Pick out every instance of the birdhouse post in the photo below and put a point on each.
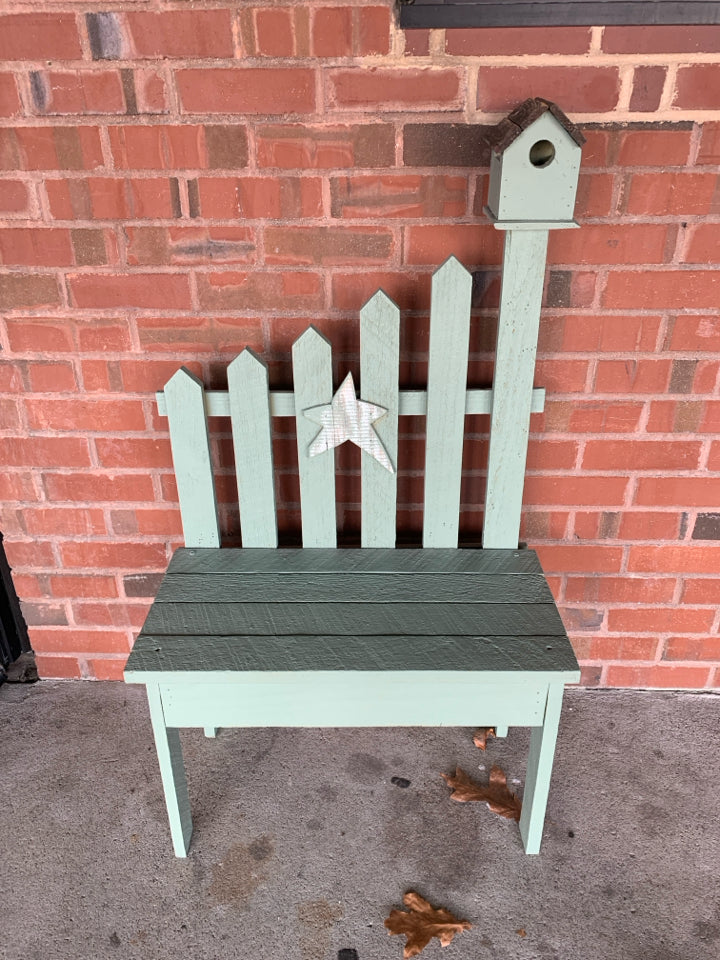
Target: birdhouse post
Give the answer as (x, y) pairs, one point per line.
(534, 170)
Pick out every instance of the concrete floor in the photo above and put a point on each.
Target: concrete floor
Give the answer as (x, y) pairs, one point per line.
(303, 844)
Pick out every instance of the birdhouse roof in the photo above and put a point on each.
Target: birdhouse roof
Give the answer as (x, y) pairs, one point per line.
(509, 129)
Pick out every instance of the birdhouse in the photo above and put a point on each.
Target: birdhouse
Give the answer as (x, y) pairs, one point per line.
(534, 166)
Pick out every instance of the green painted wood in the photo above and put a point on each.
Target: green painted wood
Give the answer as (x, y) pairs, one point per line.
(402, 562)
(191, 456)
(379, 374)
(375, 700)
(501, 730)
(353, 587)
(446, 390)
(411, 655)
(539, 771)
(355, 619)
(210, 732)
(413, 403)
(252, 441)
(312, 376)
(518, 322)
(172, 772)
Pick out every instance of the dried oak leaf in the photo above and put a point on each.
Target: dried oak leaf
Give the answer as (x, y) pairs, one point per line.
(496, 794)
(422, 923)
(480, 737)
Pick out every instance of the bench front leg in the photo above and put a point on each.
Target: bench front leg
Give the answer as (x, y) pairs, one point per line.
(539, 771)
(172, 771)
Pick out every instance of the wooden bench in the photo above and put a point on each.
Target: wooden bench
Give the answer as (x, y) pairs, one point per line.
(371, 636)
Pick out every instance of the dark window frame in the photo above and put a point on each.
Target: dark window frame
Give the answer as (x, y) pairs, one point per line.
(424, 14)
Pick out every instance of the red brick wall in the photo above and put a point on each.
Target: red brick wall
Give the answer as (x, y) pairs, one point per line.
(179, 181)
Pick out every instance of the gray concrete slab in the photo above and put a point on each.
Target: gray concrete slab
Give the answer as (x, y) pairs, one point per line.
(303, 844)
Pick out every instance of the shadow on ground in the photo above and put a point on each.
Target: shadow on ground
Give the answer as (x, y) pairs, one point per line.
(303, 843)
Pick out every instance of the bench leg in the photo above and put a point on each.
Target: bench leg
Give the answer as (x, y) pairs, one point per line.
(501, 731)
(539, 770)
(172, 771)
(211, 732)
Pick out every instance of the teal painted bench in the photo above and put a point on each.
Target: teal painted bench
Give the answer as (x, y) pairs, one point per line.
(325, 636)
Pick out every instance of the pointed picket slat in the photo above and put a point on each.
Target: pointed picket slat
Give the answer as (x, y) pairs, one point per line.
(518, 324)
(447, 384)
(379, 373)
(312, 375)
(252, 439)
(190, 443)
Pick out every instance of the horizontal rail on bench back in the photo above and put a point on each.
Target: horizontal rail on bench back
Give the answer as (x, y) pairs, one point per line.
(413, 403)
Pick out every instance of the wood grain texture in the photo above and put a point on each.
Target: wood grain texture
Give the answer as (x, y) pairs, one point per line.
(379, 373)
(447, 385)
(518, 323)
(191, 456)
(312, 377)
(172, 772)
(539, 771)
(252, 443)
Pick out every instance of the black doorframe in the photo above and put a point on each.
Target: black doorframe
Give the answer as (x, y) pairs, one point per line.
(13, 631)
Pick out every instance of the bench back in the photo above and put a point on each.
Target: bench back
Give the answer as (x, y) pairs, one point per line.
(252, 405)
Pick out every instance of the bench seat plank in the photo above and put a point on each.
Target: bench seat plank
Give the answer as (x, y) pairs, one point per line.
(155, 653)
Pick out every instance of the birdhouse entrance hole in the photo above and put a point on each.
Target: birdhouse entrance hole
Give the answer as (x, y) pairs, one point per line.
(542, 153)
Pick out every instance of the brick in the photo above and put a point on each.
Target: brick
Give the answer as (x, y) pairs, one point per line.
(11, 377)
(579, 491)
(609, 243)
(599, 147)
(543, 525)
(516, 41)
(633, 376)
(470, 243)
(10, 414)
(599, 334)
(649, 526)
(55, 521)
(446, 144)
(417, 43)
(150, 290)
(701, 590)
(163, 246)
(397, 195)
(641, 455)
(35, 553)
(274, 33)
(619, 589)
(151, 93)
(305, 146)
(57, 668)
(157, 147)
(163, 523)
(648, 84)
(197, 334)
(350, 291)
(260, 290)
(695, 334)
(17, 487)
(580, 89)
(40, 336)
(670, 678)
(661, 619)
(271, 198)
(703, 244)
(328, 245)
(14, 197)
(373, 31)
(28, 290)
(692, 648)
(108, 198)
(707, 527)
(95, 376)
(180, 33)
(551, 454)
(594, 195)
(695, 86)
(578, 619)
(406, 88)
(678, 491)
(107, 556)
(677, 38)
(57, 640)
(142, 584)
(103, 336)
(107, 668)
(665, 289)
(562, 376)
(109, 614)
(680, 194)
(247, 90)
(672, 416)
(76, 487)
(9, 99)
(99, 586)
(655, 148)
(85, 415)
(148, 376)
(89, 247)
(623, 648)
(35, 246)
(39, 36)
(577, 558)
(709, 151)
(79, 91)
(226, 146)
(50, 377)
(674, 559)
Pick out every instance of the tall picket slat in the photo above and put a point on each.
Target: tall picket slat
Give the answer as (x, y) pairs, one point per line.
(312, 375)
(379, 373)
(249, 397)
(518, 324)
(184, 395)
(447, 384)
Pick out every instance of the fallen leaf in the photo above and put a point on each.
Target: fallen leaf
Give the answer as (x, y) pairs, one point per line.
(496, 794)
(521, 932)
(480, 737)
(422, 922)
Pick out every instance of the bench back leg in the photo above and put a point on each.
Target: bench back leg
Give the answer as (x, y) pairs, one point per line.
(172, 771)
(539, 770)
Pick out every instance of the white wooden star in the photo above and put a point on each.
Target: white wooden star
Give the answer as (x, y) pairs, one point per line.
(348, 418)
